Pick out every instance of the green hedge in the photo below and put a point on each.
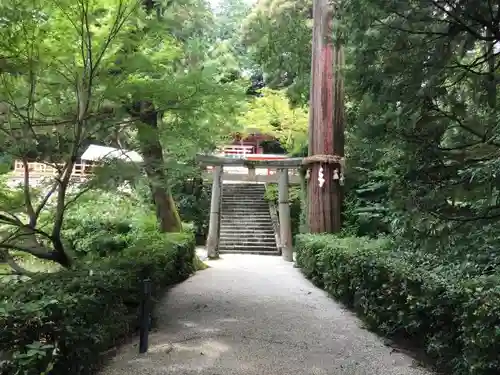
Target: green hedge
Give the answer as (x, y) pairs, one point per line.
(63, 322)
(456, 319)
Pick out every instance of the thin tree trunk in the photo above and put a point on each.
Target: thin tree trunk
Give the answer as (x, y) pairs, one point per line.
(152, 152)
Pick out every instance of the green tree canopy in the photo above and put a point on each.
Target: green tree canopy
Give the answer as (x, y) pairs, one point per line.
(271, 113)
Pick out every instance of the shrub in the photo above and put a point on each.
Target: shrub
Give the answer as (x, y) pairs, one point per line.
(272, 195)
(101, 235)
(193, 200)
(63, 322)
(101, 223)
(456, 319)
(104, 223)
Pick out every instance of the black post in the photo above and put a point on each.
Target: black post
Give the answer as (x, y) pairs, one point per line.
(145, 315)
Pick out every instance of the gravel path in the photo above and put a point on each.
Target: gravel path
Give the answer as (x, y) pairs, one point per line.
(257, 315)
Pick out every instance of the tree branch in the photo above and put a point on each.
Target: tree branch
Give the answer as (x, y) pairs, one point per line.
(17, 269)
(46, 198)
(39, 253)
(27, 195)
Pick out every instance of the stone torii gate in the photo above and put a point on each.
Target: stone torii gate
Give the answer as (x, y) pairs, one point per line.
(282, 166)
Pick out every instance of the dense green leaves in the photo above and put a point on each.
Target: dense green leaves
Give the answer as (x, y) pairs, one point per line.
(435, 99)
(271, 114)
(421, 83)
(278, 36)
(124, 73)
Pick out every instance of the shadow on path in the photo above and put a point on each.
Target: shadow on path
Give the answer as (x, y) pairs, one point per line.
(257, 315)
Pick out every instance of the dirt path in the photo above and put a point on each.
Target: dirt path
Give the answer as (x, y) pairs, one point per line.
(257, 315)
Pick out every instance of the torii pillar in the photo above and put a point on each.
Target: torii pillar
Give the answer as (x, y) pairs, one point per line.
(213, 238)
(285, 222)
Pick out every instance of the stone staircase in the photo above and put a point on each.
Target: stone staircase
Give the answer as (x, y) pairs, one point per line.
(246, 225)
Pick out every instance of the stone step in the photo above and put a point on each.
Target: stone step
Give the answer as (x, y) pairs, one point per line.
(244, 199)
(251, 228)
(245, 219)
(249, 252)
(237, 212)
(265, 245)
(257, 248)
(245, 222)
(254, 216)
(244, 188)
(267, 238)
(250, 238)
(246, 238)
(248, 247)
(244, 209)
(243, 194)
(241, 224)
(246, 206)
(244, 185)
(246, 213)
(256, 228)
(243, 191)
(246, 232)
(231, 238)
(245, 203)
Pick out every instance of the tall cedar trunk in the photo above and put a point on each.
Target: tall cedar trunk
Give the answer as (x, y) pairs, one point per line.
(152, 152)
(326, 122)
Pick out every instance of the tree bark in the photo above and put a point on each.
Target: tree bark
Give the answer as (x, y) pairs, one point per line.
(326, 126)
(152, 152)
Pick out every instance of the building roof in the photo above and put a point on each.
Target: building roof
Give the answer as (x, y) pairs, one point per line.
(252, 136)
(96, 153)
